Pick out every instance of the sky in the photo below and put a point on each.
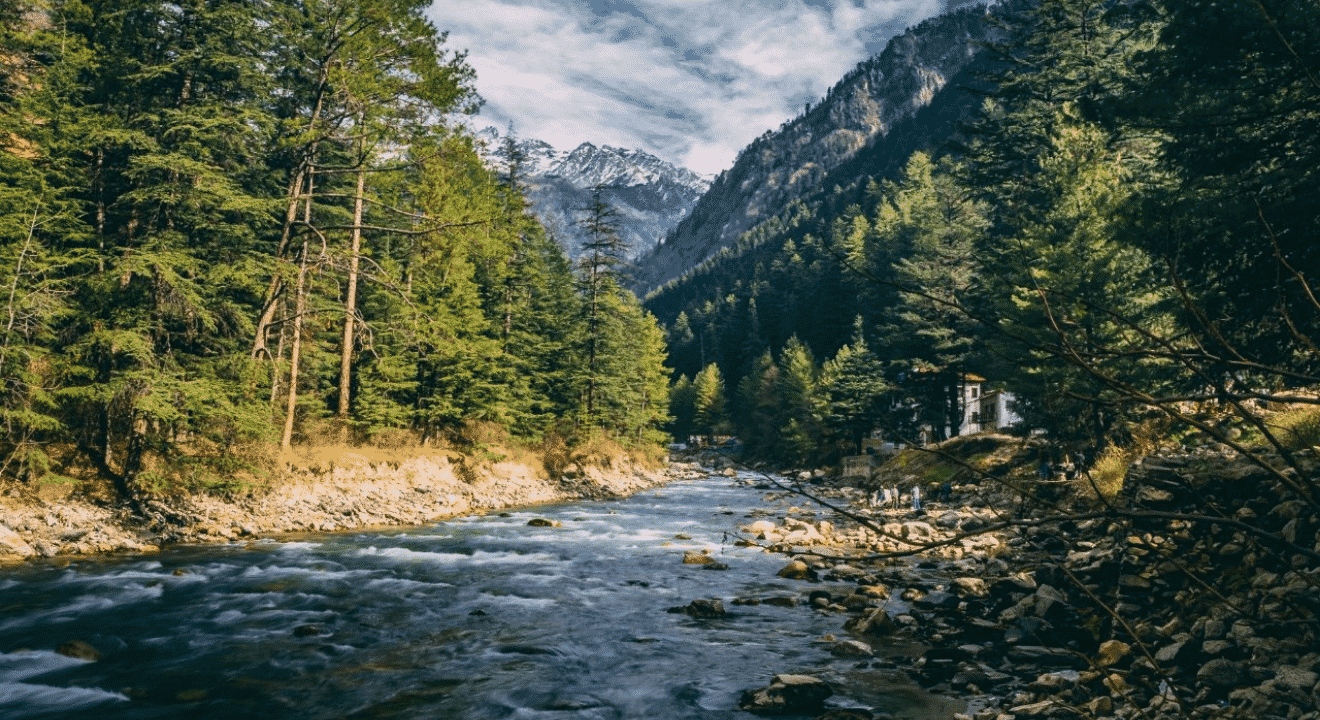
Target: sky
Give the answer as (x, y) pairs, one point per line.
(690, 81)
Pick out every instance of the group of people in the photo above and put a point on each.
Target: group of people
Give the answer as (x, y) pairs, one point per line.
(1068, 464)
(890, 496)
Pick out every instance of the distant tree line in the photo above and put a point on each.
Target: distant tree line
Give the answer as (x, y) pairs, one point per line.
(1126, 231)
(229, 225)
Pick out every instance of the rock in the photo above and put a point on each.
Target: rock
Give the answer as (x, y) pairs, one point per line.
(542, 522)
(308, 631)
(797, 570)
(1055, 681)
(714, 566)
(875, 622)
(935, 601)
(1101, 706)
(1147, 494)
(80, 650)
(1034, 709)
(1171, 653)
(1216, 647)
(702, 608)
(879, 592)
(1291, 676)
(1112, 651)
(1048, 599)
(1220, 673)
(787, 694)
(970, 587)
(852, 649)
(1045, 656)
(692, 557)
(12, 544)
(761, 527)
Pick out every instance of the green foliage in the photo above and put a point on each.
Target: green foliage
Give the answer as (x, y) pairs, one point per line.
(219, 217)
(710, 417)
(855, 392)
(1127, 224)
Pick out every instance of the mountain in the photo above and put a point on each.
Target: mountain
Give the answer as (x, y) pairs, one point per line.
(901, 100)
(649, 195)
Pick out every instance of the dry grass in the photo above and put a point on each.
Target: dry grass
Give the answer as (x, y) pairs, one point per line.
(1297, 429)
(254, 468)
(1108, 474)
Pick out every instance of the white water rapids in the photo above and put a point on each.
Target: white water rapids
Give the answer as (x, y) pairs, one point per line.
(474, 618)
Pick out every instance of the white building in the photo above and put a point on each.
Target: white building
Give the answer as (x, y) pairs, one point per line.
(985, 410)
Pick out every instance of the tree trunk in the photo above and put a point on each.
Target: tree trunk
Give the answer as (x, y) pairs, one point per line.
(350, 308)
(295, 354)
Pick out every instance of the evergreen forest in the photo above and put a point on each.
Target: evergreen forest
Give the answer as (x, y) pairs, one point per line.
(227, 227)
(1123, 234)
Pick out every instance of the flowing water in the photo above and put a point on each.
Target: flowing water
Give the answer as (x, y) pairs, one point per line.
(480, 617)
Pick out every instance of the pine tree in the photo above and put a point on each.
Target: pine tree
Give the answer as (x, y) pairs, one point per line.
(1064, 288)
(761, 415)
(799, 382)
(602, 254)
(855, 391)
(682, 409)
(708, 387)
(930, 224)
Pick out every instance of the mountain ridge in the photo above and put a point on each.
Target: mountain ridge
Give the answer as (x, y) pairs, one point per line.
(839, 141)
(648, 194)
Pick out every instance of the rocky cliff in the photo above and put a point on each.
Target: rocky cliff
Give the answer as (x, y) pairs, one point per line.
(870, 120)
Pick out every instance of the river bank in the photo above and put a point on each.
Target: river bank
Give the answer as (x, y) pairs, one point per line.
(1144, 608)
(325, 492)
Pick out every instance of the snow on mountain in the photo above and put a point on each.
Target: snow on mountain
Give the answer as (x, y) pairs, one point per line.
(649, 195)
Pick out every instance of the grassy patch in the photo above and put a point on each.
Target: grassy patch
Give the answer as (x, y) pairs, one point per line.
(1297, 429)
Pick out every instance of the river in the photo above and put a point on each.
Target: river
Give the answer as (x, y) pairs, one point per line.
(472, 618)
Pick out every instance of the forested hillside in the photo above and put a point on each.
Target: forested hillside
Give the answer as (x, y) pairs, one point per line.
(225, 226)
(1124, 233)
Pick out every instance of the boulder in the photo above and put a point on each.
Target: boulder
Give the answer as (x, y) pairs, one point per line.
(1296, 678)
(875, 622)
(702, 608)
(787, 694)
(797, 570)
(970, 587)
(542, 522)
(1112, 651)
(79, 650)
(1046, 656)
(1220, 673)
(851, 649)
(12, 544)
(693, 557)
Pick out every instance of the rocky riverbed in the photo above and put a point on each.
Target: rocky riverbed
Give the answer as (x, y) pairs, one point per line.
(1145, 608)
(347, 491)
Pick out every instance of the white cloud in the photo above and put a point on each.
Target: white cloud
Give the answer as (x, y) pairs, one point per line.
(692, 81)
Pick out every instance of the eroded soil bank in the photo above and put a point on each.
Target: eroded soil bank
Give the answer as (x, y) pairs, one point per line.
(341, 492)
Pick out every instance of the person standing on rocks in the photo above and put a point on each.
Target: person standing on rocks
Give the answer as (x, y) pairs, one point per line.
(1044, 470)
(916, 498)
